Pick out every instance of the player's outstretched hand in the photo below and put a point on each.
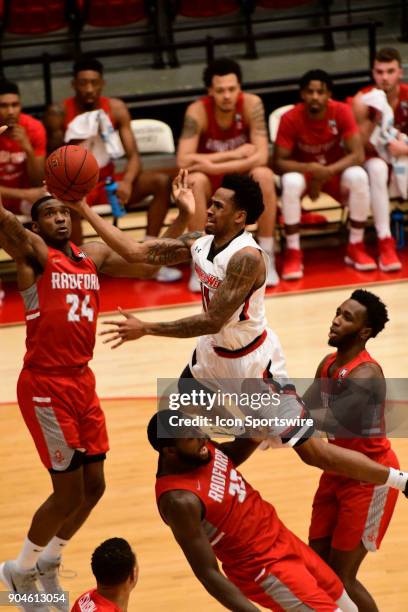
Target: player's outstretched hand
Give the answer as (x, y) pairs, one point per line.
(129, 329)
(182, 193)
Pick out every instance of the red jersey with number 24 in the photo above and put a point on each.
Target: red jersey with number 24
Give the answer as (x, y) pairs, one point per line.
(240, 525)
(61, 312)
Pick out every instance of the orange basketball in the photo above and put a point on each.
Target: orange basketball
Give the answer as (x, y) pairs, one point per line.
(71, 172)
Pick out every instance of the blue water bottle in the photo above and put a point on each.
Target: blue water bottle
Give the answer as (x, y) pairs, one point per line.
(397, 224)
(117, 209)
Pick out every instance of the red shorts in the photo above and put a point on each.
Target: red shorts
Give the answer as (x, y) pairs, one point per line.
(350, 512)
(296, 578)
(99, 195)
(63, 414)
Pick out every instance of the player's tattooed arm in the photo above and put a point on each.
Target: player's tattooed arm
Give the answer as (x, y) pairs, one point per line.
(258, 118)
(244, 272)
(182, 511)
(190, 127)
(18, 242)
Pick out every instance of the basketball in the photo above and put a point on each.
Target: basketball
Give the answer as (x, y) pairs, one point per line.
(71, 172)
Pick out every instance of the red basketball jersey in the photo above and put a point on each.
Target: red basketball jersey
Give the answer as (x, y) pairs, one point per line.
(401, 110)
(61, 312)
(316, 140)
(240, 525)
(92, 601)
(215, 138)
(72, 109)
(366, 445)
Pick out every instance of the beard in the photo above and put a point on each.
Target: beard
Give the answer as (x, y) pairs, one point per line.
(192, 461)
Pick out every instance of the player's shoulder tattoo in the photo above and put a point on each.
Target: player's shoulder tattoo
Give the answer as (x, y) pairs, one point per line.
(257, 115)
(189, 237)
(190, 127)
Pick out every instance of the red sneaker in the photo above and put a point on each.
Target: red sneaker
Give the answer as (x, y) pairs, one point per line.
(388, 259)
(357, 256)
(292, 264)
(306, 218)
(312, 218)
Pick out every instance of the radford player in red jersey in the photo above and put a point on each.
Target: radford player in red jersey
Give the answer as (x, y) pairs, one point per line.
(223, 133)
(56, 389)
(387, 73)
(318, 148)
(116, 571)
(350, 518)
(213, 512)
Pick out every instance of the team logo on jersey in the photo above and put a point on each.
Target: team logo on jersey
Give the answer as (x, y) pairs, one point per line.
(81, 255)
(238, 120)
(58, 456)
(343, 373)
(333, 126)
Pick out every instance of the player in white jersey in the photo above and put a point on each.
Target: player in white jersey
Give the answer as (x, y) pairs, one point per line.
(233, 268)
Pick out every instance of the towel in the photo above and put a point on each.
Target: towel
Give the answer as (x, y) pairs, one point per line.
(95, 130)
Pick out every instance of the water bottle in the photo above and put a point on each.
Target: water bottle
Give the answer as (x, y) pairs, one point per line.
(397, 224)
(117, 209)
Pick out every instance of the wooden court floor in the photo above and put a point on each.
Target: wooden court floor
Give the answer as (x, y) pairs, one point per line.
(128, 507)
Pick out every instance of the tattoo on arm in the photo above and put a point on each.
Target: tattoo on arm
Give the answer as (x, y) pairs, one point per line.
(258, 118)
(190, 127)
(13, 236)
(165, 252)
(190, 237)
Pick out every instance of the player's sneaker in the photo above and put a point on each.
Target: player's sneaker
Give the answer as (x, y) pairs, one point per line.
(272, 278)
(312, 218)
(357, 256)
(48, 575)
(292, 264)
(388, 259)
(23, 584)
(168, 275)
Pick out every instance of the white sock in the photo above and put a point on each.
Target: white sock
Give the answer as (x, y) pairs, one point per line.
(28, 556)
(356, 235)
(266, 243)
(293, 241)
(293, 186)
(377, 171)
(54, 549)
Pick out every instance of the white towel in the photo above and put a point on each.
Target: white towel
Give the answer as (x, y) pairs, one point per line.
(383, 133)
(95, 130)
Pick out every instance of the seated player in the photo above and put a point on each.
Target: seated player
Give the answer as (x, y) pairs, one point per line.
(318, 148)
(350, 518)
(387, 73)
(22, 153)
(213, 512)
(134, 183)
(225, 132)
(116, 571)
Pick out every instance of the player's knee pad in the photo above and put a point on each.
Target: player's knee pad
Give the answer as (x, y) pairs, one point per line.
(355, 177)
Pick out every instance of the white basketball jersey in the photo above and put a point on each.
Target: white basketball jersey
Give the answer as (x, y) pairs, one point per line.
(249, 320)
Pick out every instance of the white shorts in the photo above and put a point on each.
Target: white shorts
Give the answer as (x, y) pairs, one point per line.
(256, 368)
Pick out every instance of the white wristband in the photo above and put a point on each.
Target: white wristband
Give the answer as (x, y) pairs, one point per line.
(397, 479)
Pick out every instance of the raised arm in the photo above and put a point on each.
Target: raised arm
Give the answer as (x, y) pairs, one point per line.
(27, 249)
(244, 270)
(182, 511)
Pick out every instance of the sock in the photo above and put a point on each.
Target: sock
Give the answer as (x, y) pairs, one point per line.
(28, 556)
(54, 549)
(356, 235)
(266, 243)
(293, 241)
(377, 170)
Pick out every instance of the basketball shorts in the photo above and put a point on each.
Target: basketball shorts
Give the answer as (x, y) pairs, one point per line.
(295, 579)
(350, 512)
(63, 414)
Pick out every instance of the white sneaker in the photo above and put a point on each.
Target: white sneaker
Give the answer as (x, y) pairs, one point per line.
(48, 572)
(25, 585)
(168, 275)
(194, 284)
(272, 278)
